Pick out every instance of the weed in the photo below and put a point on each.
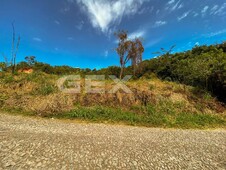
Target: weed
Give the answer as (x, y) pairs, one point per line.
(44, 90)
(151, 87)
(154, 103)
(151, 117)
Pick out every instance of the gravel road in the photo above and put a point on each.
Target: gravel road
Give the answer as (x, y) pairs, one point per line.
(33, 143)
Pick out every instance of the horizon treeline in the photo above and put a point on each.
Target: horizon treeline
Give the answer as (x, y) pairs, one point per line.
(203, 67)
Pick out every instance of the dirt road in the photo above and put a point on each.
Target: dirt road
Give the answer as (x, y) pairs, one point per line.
(32, 143)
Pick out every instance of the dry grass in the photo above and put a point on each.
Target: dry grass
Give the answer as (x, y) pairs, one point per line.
(38, 93)
(41, 105)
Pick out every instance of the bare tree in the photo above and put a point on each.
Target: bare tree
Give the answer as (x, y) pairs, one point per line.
(165, 55)
(15, 48)
(165, 52)
(128, 50)
(122, 49)
(135, 53)
(14, 51)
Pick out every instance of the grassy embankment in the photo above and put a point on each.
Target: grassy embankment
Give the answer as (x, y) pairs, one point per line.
(154, 103)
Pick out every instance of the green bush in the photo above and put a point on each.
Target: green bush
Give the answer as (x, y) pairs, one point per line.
(150, 116)
(8, 79)
(44, 90)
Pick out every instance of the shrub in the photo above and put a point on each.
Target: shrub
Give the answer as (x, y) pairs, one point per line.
(44, 90)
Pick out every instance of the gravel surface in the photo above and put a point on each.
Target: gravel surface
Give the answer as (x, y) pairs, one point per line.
(33, 143)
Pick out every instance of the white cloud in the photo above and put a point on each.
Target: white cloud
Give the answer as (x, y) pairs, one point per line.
(160, 23)
(221, 10)
(195, 14)
(106, 53)
(157, 12)
(197, 44)
(183, 16)
(171, 2)
(173, 5)
(204, 10)
(137, 34)
(146, 10)
(37, 39)
(153, 42)
(70, 38)
(57, 22)
(214, 9)
(104, 13)
(66, 9)
(80, 25)
(181, 6)
(213, 34)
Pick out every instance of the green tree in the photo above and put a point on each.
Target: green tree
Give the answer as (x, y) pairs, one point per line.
(30, 60)
(3, 66)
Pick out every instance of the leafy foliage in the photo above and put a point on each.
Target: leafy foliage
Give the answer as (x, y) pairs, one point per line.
(203, 66)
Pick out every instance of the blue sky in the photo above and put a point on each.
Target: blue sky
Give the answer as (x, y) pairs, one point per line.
(79, 33)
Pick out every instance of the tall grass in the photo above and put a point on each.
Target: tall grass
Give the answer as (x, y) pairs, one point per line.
(150, 117)
(154, 103)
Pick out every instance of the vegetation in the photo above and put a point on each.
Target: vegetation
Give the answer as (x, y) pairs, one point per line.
(172, 90)
(128, 50)
(151, 117)
(154, 102)
(203, 67)
(14, 49)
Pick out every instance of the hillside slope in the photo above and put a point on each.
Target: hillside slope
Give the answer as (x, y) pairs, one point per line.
(203, 67)
(153, 102)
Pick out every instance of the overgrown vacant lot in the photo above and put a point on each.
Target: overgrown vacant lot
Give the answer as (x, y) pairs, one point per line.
(154, 103)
